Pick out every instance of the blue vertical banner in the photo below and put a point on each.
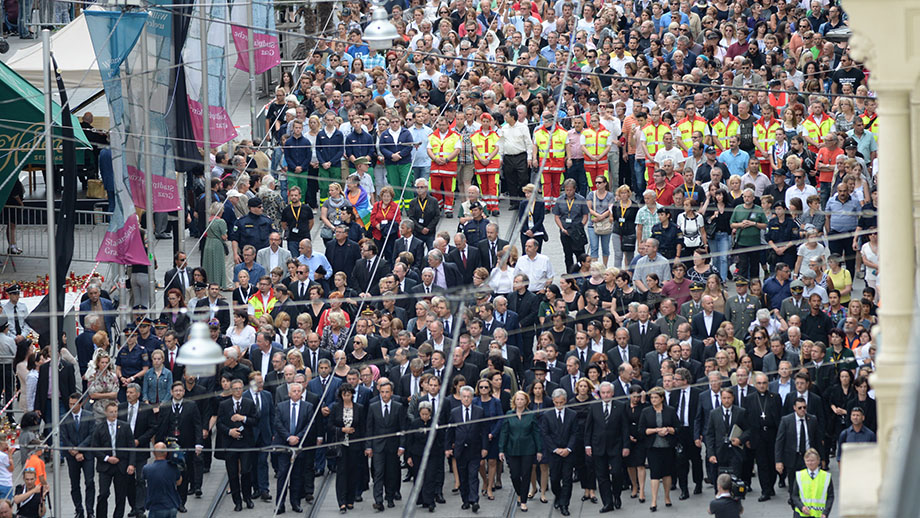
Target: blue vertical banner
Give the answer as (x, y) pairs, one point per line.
(114, 36)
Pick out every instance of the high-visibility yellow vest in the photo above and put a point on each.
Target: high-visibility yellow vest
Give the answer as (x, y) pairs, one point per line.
(871, 122)
(722, 131)
(595, 142)
(765, 133)
(654, 137)
(817, 129)
(550, 146)
(443, 147)
(256, 302)
(813, 491)
(688, 126)
(485, 145)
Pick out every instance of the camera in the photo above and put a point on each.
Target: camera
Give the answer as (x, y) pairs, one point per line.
(739, 488)
(176, 456)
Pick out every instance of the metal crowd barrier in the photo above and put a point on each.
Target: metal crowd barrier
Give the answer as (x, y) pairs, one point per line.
(31, 235)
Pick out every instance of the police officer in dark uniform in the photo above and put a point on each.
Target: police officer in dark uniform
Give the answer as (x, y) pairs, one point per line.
(765, 411)
(132, 362)
(252, 229)
(145, 336)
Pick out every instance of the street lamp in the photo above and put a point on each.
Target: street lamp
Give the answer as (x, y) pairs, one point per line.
(200, 354)
(380, 33)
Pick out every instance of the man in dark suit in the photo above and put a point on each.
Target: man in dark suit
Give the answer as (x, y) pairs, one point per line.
(367, 272)
(724, 450)
(559, 431)
(67, 385)
(324, 386)
(466, 441)
(791, 444)
(261, 353)
(607, 443)
(236, 423)
(622, 349)
(76, 434)
(527, 305)
(509, 321)
(291, 418)
(180, 277)
(704, 325)
(265, 409)
(140, 420)
(214, 306)
(465, 257)
(450, 272)
(384, 419)
(765, 411)
(114, 460)
(573, 374)
(538, 373)
(643, 332)
(312, 354)
(709, 399)
(686, 400)
(409, 243)
(427, 288)
(490, 246)
(84, 341)
(181, 420)
(815, 406)
(687, 361)
(654, 358)
(622, 381)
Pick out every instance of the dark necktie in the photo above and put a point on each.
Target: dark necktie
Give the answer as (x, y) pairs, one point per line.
(680, 408)
(16, 319)
(236, 407)
(463, 257)
(386, 412)
(606, 411)
(303, 289)
(741, 394)
(559, 415)
(177, 409)
(467, 415)
(641, 329)
(408, 240)
(76, 421)
(802, 437)
(728, 421)
(492, 255)
(313, 361)
(447, 327)
(369, 265)
(584, 358)
(294, 419)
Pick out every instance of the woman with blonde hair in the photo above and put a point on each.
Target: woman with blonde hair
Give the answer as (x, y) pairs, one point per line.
(334, 334)
(103, 383)
(520, 441)
(715, 290)
(282, 325)
(502, 279)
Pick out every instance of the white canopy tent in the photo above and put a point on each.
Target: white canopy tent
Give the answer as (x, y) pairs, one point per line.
(73, 50)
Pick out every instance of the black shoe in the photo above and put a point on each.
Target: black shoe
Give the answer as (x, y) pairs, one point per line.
(440, 499)
(782, 483)
(317, 474)
(266, 497)
(408, 478)
(465, 506)
(667, 504)
(564, 511)
(763, 498)
(698, 490)
(397, 496)
(606, 509)
(198, 493)
(684, 495)
(249, 504)
(343, 510)
(617, 503)
(206, 470)
(181, 509)
(132, 513)
(238, 507)
(164, 235)
(653, 508)
(593, 499)
(281, 509)
(475, 507)
(378, 506)
(390, 504)
(296, 508)
(140, 514)
(431, 508)
(358, 499)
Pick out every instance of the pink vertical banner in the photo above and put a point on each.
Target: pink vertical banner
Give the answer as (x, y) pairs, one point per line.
(221, 126)
(165, 191)
(123, 245)
(266, 50)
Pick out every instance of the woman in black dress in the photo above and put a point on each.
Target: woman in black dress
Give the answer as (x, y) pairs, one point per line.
(415, 449)
(244, 290)
(346, 425)
(635, 462)
(539, 477)
(315, 305)
(862, 400)
(839, 397)
(658, 423)
(580, 404)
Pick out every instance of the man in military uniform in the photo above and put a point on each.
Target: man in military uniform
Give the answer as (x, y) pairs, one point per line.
(16, 312)
(252, 229)
(693, 306)
(741, 309)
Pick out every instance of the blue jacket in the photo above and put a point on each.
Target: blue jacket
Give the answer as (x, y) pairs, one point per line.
(152, 385)
(403, 146)
(263, 426)
(360, 145)
(330, 148)
(107, 307)
(297, 153)
(315, 386)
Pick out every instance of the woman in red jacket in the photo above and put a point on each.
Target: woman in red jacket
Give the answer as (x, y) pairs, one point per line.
(385, 218)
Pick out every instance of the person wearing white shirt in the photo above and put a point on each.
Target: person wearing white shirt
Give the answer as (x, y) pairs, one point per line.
(800, 189)
(536, 266)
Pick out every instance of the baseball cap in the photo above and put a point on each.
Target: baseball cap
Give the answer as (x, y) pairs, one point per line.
(232, 193)
(340, 71)
(710, 149)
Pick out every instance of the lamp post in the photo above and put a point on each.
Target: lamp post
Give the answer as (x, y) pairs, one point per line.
(200, 354)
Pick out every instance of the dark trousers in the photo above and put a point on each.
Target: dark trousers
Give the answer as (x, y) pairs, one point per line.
(431, 479)
(309, 458)
(239, 469)
(747, 465)
(560, 477)
(347, 480)
(191, 477)
(789, 471)
(260, 471)
(577, 171)
(584, 467)
(137, 486)
(729, 457)
(294, 480)
(515, 174)
(766, 463)
(608, 469)
(520, 465)
(689, 457)
(749, 264)
(841, 243)
(570, 251)
(468, 466)
(74, 469)
(106, 480)
(386, 475)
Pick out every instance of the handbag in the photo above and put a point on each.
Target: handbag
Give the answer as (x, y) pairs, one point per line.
(603, 227)
(95, 189)
(334, 451)
(326, 233)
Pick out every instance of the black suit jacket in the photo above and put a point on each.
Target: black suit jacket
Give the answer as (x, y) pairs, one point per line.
(145, 425)
(362, 279)
(123, 441)
(71, 437)
(385, 428)
(692, 405)
(281, 425)
(816, 407)
(473, 261)
(698, 325)
(186, 425)
(452, 275)
(566, 383)
(171, 280)
(613, 355)
(786, 446)
(67, 383)
(607, 436)
(224, 424)
(485, 251)
(336, 423)
(647, 419)
(416, 248)
(472, 436)
(556, 435)
(704, 408)
(203, 309)
(717, 429)
(645, 342)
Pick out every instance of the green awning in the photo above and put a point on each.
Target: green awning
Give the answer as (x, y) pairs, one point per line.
(23, 119)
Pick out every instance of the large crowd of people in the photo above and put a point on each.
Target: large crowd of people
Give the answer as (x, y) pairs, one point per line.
(707, 171)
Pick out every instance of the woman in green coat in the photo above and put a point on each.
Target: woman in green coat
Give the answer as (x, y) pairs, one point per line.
(212, 257)
(520, 443)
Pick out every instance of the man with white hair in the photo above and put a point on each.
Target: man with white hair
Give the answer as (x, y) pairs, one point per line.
(766, 320)
(232, 367)
(467, 438)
